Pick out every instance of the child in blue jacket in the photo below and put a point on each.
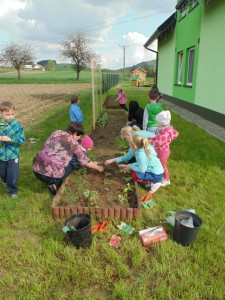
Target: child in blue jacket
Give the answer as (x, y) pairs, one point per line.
(11, 138)
(147, 168)
(76, 114)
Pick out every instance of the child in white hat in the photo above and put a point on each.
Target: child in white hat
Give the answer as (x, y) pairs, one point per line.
(165, 134)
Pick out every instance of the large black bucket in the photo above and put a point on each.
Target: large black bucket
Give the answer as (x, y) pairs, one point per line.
(183, 234)
(82, 236)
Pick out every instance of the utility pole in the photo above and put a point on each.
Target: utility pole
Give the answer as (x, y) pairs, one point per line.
(124, 56)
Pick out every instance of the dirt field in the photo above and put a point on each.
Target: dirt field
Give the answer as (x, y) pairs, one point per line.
(32, 101)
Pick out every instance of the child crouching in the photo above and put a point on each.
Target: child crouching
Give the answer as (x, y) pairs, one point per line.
(147, 168)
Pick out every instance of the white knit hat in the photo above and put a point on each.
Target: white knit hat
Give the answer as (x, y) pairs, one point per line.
(164, 117)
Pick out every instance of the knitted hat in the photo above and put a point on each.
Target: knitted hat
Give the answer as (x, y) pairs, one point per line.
(164, 117)
(87, 142)
(119, 88)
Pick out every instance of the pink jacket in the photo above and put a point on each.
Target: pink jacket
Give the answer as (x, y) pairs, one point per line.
(163, 139)
(122, 98)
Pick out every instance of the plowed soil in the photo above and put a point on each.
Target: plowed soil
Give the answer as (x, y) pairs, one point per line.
(32, 101)
(112, 184)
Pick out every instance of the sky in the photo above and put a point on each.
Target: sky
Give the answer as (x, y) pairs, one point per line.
(117, 29)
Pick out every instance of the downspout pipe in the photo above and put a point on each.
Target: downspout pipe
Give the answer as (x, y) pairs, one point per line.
(156, 67)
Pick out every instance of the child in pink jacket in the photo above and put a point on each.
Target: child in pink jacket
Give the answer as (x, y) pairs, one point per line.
(165, 134)
(122, 98)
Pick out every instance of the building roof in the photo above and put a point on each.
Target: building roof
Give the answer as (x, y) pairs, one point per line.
(162, 30)
(139, 69)
(182, 5)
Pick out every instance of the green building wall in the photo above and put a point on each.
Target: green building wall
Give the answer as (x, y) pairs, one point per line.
(210, 89)
(187, 36)
(166, 63)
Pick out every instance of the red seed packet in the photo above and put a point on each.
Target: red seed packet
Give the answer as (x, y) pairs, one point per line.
(152, 235)
(115, 241)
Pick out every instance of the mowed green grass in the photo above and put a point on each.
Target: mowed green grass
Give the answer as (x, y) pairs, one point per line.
(37, 262)
(60, 75)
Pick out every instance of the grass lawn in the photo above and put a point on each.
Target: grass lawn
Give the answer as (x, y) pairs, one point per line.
(36, 262)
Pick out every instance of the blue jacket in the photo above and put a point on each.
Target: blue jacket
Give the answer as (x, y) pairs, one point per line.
(10, 150)
(146, 164)
(130, 154)
(76, 114)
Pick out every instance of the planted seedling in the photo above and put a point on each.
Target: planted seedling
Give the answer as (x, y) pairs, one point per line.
(91, 195)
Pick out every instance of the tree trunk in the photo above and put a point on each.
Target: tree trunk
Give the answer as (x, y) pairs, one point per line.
(78, 75)
(18, 71)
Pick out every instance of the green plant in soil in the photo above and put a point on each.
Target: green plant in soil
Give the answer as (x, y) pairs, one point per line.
(122, 199)
(92, 197)
(122, 143)
(102, 120)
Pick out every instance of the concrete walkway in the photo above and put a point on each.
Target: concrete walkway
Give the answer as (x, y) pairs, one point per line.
(213, 129)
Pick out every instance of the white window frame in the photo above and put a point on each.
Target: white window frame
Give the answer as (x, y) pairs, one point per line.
(194, 3)
(180, 64)
(190, 69)
(183, 14)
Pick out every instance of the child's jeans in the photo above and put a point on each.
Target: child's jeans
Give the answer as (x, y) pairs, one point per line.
(163, 156)
(123, 107)
(146, 177)
(9, 173)
(73, 164)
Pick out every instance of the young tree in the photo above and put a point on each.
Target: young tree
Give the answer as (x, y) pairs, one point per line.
(76, 47)
(16, 55)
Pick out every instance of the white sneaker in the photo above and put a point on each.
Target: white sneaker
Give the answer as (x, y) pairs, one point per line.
(165, 182)
(154, 187)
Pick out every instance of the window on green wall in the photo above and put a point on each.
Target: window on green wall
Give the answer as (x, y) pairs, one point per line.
(191, 55)
(180, 64)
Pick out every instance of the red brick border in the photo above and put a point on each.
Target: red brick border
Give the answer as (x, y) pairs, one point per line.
(60, 212)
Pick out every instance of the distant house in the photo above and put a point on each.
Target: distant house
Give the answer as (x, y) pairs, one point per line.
(190, 57)
(139, 73)
(37, 67)
(27, 67)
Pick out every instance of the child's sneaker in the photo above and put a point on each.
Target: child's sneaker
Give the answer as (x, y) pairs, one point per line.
(14, 196)
(165, 182)
(52, 188)
(154, 187)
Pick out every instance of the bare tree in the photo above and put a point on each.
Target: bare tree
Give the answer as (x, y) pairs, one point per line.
(16, 55)
(76, 47)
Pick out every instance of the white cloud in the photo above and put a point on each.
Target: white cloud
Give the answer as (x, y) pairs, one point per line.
(44, 24)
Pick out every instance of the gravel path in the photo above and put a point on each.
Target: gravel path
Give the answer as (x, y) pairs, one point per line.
(213, 129)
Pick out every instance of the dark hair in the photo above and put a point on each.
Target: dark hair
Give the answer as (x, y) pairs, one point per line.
(154, 93)
(74, 99)
(6, 106)
(75, 128)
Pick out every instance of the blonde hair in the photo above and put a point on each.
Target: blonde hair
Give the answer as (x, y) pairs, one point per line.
(140, 142)
(128, 130)
(136, 128)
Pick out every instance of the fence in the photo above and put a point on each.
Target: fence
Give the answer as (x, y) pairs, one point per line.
(101, 82)
(108, 81)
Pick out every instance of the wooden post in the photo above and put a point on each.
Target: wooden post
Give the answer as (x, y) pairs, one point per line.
(93, 94)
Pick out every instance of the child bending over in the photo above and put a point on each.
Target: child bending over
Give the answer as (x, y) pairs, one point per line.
(147, 168)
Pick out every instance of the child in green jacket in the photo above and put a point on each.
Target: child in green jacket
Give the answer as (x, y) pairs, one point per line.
(151, 111)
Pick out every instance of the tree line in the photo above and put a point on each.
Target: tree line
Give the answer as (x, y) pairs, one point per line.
(76, 47)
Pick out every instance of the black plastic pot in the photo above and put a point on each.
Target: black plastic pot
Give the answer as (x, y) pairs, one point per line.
(82, 236)
(183, 234)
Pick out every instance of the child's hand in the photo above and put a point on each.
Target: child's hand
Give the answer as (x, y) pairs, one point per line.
(125, 167)
(5, 138)
(109, 161)
(100, 169)
(149, 140)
